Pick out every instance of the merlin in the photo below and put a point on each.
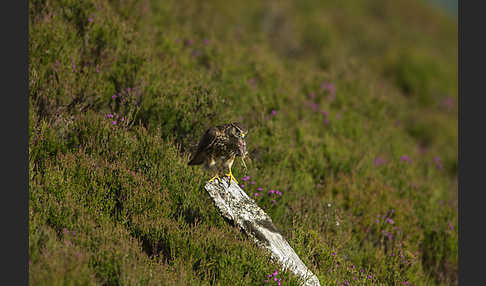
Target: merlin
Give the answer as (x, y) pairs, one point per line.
(219, 147)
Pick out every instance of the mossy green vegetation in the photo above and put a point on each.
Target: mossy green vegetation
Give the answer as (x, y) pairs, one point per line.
(352, 111)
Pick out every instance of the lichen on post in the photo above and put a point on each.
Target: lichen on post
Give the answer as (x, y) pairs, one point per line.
(235, 205)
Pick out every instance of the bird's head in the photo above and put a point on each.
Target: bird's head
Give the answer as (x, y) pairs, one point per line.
(239, 132)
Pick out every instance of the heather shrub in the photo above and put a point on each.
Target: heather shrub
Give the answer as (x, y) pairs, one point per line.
(352, 112)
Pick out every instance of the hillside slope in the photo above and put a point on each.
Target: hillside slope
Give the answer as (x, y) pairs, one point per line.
(352, 112)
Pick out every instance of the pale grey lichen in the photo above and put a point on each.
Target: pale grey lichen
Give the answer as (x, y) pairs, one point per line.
(235, 205)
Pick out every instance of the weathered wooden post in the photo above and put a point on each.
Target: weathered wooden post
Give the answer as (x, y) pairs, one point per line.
(234, 204)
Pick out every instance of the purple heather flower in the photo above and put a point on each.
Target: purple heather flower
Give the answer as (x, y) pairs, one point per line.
(251, 81)
(377, 221)
(314, 106)
(438, 162)
(246, 178)
(90, 19)
(274, 112)
(389, 220)
(405, 158)
(331, 88)
(74, 233)
(451, 226)
(275, 273)
(346, 282)
(326, 121)
(242, 185)
(73, 65)
(113, 122)
(64, 230)
(333, 253)
(266, 280)
(269, 275)
(123, 118)
(448, 103)
(274, 201)
(275, 279)
(379, 161)
(97, 68)
(255, 194)
(325, 85)
(109, 115)
(253, 182)
(405, 282)
(392, 211)
(69, 243)
(369, 276)
(260, 189)
(271, 191)
(278, 192)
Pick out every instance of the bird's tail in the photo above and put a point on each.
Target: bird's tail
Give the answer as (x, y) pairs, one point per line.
(198, 159)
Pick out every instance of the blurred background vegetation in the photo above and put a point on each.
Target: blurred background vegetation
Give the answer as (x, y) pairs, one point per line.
(451, 6)
(352, 111)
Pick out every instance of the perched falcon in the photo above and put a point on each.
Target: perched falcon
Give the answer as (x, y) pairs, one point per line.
(219, 147)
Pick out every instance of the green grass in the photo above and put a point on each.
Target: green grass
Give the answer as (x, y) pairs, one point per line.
(171, 69)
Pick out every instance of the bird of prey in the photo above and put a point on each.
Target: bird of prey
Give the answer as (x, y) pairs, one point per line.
(219, 147)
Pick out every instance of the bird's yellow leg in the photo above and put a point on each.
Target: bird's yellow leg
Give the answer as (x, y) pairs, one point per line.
(214, 178)
(230, 175)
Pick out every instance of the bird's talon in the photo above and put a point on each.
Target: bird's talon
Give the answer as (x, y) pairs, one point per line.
(232, 178)
(214, 178)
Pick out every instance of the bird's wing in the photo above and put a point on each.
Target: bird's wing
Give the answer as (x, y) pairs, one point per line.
(206, 142)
